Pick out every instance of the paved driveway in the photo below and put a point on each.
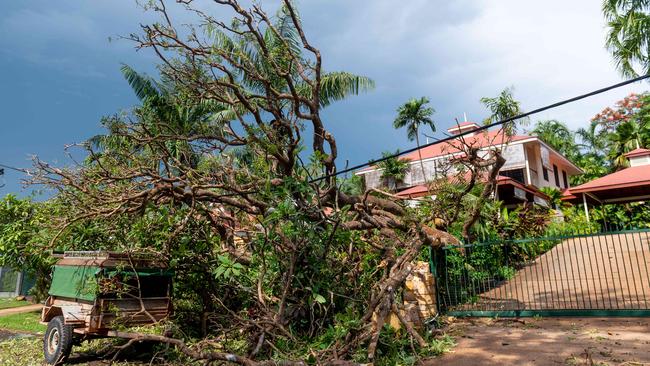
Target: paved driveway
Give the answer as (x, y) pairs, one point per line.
(596, 272)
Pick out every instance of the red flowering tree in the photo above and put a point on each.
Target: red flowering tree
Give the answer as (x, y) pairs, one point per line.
(624, 110)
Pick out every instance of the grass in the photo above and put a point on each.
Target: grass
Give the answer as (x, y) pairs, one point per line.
(21, 352)
(12, 303)
(29, 352)
(23, 322)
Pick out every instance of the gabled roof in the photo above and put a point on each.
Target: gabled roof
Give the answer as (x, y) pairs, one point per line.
(628, 177)
(479, 140)
(637, 152)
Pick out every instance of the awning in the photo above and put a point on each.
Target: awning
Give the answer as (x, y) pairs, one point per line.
(414, 192)
(627, 185)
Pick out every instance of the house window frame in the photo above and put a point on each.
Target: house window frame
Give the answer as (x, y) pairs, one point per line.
(557, 175)
(517, 174)
(565, 179)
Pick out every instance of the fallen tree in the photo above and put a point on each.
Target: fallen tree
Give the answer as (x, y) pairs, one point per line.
(287, 269)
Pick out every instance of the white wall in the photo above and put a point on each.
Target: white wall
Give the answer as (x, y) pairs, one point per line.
(515, 159)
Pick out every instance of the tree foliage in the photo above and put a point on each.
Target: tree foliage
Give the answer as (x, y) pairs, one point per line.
(502, 107)
(276, 259)
(558, 136)
(413, 115)
(628, 35)
(393, 168)
(22, 229)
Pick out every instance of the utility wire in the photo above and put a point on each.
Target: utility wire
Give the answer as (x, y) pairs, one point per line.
(449, 138)
(481, 128)
(12, 168)
(485, 127)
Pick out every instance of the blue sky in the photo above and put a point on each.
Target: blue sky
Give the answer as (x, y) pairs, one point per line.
(59, 72)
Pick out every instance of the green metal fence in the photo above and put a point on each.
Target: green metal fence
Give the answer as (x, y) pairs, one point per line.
(598, 274)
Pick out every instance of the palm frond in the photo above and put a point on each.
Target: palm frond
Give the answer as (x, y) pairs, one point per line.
(144, 87)
(287, 29)
(339, 85)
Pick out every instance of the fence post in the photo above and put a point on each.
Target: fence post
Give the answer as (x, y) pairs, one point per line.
(436, 263)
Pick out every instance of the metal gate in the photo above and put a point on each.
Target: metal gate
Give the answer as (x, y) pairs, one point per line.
(583, 274)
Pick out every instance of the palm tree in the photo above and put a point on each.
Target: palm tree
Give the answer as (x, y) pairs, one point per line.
(593, 140)
(558, 135)
(628, 35)
(177, 114)
(164, 112)
(334, 86)
(393, 169)
(629, 135)
(413, 115)
(502, 107)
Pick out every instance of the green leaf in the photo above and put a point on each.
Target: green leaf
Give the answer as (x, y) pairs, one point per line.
(319, 298)
(219, 271)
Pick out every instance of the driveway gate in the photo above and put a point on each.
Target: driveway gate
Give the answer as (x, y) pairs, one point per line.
(583, 274)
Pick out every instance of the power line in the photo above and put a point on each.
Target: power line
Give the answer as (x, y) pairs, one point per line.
(11, 168)
(485, 127)
(448, 138)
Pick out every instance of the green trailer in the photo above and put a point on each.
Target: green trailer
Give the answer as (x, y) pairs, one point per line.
(94, 293)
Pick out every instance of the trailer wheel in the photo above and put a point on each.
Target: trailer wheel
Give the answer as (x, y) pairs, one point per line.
(57, 342)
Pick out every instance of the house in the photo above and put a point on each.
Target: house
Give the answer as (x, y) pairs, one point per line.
(530, 165)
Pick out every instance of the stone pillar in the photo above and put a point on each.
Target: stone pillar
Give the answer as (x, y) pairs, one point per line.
(419, 297)
(419, 292)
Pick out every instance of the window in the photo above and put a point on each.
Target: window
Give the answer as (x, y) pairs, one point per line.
(544, 171)
(566, 181)
(516, 174)
(557, 175)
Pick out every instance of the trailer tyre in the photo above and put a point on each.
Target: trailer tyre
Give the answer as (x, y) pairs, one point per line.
(57, 342)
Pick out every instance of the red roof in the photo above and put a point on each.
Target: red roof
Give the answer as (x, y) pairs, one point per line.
(415, 191)
(480, 140)
(567, 195)
(637, 152)
(628, 177)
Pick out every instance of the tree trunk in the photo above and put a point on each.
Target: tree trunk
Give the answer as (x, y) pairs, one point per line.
(417, 142)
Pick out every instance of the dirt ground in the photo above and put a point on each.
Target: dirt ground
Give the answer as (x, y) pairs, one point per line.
(21, 309)
(549, 341)
(5, 334)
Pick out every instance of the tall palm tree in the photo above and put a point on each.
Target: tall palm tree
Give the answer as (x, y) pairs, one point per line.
(334, 86)
(413, 115)
(502, 107)
(628, 34)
